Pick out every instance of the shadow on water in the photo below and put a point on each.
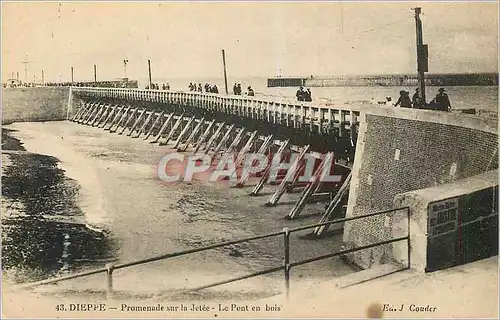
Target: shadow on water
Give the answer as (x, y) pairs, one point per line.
(44, 232)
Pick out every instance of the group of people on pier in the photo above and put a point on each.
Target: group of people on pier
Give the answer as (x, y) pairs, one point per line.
(237, 90)
(440, 103)
(206, 88)
(303, 94)
(155, 86)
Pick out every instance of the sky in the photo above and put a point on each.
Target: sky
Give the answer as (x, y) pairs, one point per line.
(185, 39)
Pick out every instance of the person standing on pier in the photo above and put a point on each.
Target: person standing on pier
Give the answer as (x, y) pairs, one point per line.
(300, 94)
(200, 89)
(404, 99)
(239, 89)
(250, 92)
(416, 100)
(308, 95)
(235, 89)
(441, 102)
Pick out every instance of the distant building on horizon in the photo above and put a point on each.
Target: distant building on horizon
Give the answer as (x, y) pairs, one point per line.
(458, 79)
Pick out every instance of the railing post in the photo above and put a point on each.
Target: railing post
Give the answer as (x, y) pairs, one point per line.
(109, 281)
(286, 262)
(408, 241)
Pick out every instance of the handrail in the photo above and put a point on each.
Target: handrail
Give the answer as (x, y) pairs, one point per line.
(227, 102)
(185, 252)
(287, 265)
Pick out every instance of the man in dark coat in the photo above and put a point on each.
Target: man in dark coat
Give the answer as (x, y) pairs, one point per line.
(404, 99)
(250, 93)
(441, 102)
(416, 100)
(300, 94)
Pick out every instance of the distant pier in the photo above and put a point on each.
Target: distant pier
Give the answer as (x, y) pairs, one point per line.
(463, 79)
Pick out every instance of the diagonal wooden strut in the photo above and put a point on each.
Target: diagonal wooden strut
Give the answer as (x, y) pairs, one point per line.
(334, 204)
(312, 186)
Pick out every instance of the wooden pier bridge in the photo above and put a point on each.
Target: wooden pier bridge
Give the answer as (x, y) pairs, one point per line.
(211, 123)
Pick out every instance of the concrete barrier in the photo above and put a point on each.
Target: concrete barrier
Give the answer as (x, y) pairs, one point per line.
(429, 245)
(34, 104)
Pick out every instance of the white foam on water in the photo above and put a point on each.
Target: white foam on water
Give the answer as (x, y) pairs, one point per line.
(76, 165)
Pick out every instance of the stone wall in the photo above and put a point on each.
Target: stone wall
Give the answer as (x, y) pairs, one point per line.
(401, 150)
(34, 104)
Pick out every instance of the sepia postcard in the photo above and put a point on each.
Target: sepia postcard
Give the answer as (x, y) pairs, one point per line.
(284, 159)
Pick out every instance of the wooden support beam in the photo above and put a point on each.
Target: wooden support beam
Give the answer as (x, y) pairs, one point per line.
(129, 118)
(94, 113)
(109, 116)
(290, 174)
(245, 148)
(136, 123)
(98, 120)
(342, 123)
(78, 110)
(214, 137)
(172, 131)
(312, 115)
(224, 139)
(88, 113)
(236, 141)
(204, 136)
(334, 204)
(268, 168)
(122, 111)
(163, 128)
(145, 123)
(81, 110)
(192, 135)
(244, 177)
(157, 120)
(312, 186)
(85, 112)
(183, 132)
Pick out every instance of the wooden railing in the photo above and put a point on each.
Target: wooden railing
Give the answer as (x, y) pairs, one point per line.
(269, 109)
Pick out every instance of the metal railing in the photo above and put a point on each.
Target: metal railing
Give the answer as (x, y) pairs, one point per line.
(286, 266)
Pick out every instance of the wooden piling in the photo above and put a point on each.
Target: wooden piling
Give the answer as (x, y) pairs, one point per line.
(129, 118)
(312, 186)
(183, 132)
(224, 139)
(137, 121)
(334, 204)
(157, 120)
(291, 173)
(192, 135)
(145, 123)
(109, 116)
(163, 128)
(118, 118)
(204, 136)
(172, 130)
(214, 137)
